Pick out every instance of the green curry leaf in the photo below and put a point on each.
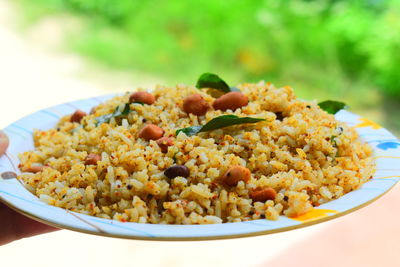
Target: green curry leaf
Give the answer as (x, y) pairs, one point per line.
(189, 131)
(118, 113)
(331, 106)
(218, 123)
(210, 80)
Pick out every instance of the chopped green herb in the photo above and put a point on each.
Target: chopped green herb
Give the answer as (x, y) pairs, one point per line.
(331, 106)
(218, 123)
(333, 141)
(213, 81)
(174, 157)
(118, 113)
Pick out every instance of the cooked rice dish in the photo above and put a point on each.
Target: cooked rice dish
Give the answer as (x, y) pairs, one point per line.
(112, 164)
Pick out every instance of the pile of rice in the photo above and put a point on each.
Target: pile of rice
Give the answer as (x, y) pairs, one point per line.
(308, 157)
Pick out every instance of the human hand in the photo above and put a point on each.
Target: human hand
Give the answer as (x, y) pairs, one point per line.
(14, 226)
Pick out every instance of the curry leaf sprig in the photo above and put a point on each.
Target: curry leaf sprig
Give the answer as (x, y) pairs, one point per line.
(118, 113)
(218, 123)
(331, 106)
(213, 81)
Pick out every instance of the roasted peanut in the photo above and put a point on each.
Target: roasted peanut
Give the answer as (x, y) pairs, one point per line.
(143, 97)
(262, 195)
(92, 159)
(235, 174)
(164, 143)
(4, 143)
(177, 170)
(34, 169)
(77, 116)
(195, 104)
(232, 100)
(151, 132)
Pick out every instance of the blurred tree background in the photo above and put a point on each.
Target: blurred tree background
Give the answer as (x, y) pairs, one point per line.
(347, 50)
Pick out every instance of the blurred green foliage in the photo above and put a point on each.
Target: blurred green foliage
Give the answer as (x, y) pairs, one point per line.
(336, 45)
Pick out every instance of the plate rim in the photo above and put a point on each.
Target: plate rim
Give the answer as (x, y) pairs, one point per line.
(199, 238)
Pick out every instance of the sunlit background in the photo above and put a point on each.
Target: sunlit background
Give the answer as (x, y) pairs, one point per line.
(52, 51)
(337, 49)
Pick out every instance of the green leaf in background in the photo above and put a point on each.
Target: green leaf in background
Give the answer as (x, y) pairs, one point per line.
(118, 113)
(218, 123)
(356, 41)
(210, 80)
(331, 106)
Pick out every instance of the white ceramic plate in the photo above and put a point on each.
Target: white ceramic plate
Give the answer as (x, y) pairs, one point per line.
(386, 151)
